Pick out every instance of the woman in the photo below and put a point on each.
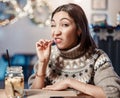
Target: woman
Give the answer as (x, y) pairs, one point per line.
(74, 62)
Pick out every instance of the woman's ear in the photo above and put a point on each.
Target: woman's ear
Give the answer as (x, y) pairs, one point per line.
(79, 32)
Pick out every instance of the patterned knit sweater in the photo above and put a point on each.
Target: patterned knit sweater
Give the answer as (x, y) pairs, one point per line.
(96, 70)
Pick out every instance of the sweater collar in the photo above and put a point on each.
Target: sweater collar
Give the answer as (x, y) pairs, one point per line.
(71, 53)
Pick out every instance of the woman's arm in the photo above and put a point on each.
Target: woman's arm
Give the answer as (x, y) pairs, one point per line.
(106, 77)
(87, 89)
(94, 91)
(43, 49)
(38, 82)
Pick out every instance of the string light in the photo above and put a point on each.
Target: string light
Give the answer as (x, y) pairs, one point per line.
(38, 11)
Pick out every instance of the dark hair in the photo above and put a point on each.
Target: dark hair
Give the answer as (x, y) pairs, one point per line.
(79, 17)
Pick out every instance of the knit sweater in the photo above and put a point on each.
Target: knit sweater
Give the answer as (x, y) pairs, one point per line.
(96, 70)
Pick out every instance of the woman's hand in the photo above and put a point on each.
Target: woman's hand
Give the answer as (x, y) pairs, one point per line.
(58, 86)
(43, 48)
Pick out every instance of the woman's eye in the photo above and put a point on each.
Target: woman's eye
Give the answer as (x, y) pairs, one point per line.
(65, 25)
(52, 25)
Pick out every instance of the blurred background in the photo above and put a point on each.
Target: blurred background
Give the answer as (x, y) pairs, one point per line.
(23, 22)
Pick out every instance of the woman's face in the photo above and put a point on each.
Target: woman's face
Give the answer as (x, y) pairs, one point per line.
(64, 30)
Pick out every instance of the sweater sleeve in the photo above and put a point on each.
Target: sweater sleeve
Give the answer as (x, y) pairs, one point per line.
(106, 77)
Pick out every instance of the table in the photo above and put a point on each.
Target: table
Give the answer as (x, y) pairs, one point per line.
(37, 93)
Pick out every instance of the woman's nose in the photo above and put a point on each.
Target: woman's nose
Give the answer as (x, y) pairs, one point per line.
(57, 31)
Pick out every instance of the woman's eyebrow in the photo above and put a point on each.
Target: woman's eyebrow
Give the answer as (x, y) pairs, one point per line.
(70, 20)
(66, 19)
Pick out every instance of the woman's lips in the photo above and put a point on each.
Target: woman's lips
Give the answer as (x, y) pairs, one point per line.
(58, 40)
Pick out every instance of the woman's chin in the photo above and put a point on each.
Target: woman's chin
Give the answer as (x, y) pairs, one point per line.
(60, 47)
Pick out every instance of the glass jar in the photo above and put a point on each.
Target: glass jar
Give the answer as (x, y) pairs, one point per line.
(14, 82)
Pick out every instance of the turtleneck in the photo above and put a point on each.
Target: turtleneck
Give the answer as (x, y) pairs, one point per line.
(71, 53)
